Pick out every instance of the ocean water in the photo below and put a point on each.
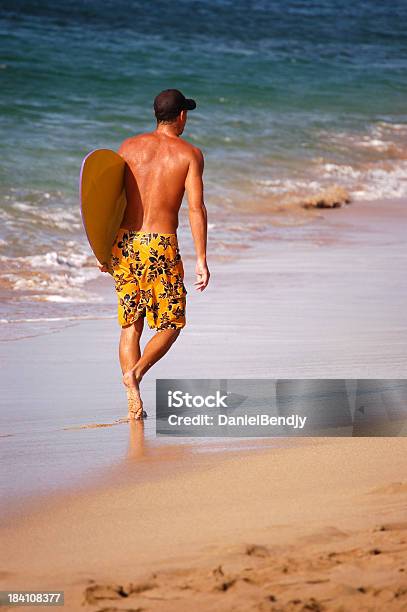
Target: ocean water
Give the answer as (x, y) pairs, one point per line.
(293, 97)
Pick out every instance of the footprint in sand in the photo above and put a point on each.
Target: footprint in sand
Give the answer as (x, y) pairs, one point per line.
(257, 550)
(97, 593)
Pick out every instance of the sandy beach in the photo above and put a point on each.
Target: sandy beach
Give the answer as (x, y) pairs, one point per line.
(319, 526)
(121, 520)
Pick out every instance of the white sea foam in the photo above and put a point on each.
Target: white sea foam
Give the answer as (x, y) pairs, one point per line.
(22, 206)
(374, 143)
(284, 185)
(45, 209)
(74, 298)
(363, 180)
(392, 127)
(54, 276)
(54, 259)
(379, 141)
(338, 170)
(372, 182)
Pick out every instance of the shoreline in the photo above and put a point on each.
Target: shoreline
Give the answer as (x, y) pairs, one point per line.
(373, 221)
(155, 459)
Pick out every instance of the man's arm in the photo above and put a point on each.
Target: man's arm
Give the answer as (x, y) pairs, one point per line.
(198, 216)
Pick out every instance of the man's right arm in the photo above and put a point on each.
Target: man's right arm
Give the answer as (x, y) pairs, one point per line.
(198, 216)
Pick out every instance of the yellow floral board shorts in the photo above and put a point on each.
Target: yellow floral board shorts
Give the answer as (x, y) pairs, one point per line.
(149, 279)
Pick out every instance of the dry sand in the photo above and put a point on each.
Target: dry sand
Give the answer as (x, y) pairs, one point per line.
(320, 526)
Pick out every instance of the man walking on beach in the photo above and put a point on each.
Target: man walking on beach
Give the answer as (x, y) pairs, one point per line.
(147, 267)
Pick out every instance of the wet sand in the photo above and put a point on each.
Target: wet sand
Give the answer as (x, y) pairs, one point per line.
(266, 529)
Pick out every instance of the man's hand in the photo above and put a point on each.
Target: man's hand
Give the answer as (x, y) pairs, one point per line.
(202, 275)
(102, 267)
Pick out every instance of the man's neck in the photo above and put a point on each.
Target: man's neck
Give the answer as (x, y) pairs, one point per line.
(169, 129)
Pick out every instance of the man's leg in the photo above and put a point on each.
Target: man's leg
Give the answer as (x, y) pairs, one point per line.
(129, 355)
(156, 348)
(129, 347)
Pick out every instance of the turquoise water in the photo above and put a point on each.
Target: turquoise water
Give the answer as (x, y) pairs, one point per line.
(293, 97)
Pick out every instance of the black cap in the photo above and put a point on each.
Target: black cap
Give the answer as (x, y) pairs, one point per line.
(170, 102)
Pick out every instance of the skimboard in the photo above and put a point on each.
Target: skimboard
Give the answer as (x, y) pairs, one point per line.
(103, 200)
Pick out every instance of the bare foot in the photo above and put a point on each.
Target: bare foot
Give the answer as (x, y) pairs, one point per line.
(134, 401)
(135, 404)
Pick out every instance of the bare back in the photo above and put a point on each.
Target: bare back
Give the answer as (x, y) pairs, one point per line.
(157, 168)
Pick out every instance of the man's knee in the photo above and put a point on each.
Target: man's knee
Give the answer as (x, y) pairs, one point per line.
(170, 334)
(133, 329)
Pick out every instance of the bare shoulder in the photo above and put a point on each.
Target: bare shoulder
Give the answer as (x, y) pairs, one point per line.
(192, 149)
(125, 147)
(129, 145)
(194, 153)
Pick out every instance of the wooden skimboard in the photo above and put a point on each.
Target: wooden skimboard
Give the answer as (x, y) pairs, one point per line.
(103, 200)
